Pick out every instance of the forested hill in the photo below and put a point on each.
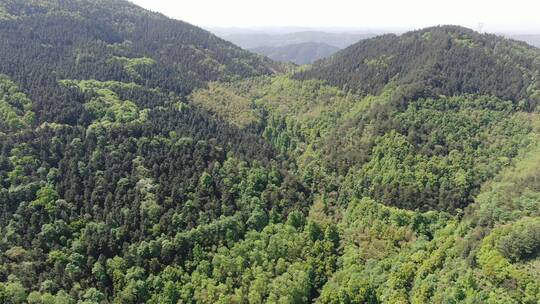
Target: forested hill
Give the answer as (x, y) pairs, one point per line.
(99, 142)
(144, 160)
(448, 60)
(46, 40)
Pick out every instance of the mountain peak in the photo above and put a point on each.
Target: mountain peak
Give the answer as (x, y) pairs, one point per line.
(87, 33)
(443, 60)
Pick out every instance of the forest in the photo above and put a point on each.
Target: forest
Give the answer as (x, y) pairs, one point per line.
(145, 160)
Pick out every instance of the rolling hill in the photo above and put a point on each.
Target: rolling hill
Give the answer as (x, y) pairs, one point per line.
(115, 40)
(444, 60)
(434, 196)
(145, 160)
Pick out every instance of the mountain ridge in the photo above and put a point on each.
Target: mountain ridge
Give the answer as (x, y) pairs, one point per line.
(143, 160)
(111, 31)
(443, 60)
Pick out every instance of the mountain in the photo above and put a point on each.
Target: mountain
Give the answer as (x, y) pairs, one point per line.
(302, 53)
(445, 60)
(434, 196)
(127, 43)
(101, 147)
(144, 160)
(254, 40)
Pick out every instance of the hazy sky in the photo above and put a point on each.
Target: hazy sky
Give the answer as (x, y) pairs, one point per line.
(496, 15)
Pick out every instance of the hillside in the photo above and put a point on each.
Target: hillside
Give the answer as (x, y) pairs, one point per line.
(426, 200)
(144, 160)
(99, 147)
(446, 60)
(302, 53)
(434, 197)
(108, 40)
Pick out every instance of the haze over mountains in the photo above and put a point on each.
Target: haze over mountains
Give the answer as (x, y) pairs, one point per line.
(253, 40)
(532, 39)
(304, 45)
(146, 160)
(300, 53)
(300, 47)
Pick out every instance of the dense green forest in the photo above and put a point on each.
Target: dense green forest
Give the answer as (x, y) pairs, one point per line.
(144, 160)
(447, 60)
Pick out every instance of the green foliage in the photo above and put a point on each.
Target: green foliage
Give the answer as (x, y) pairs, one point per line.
(127, 186)
(512, 194)
(522, 241)
(437, 151)
(448, 147)
(133, 65)
(12, 293)
(447, 60)
(15, 108)
(115, 40)
(229, 106)
(106, 107)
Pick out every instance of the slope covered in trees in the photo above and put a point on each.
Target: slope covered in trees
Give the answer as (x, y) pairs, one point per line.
(46, 41)
(463, 164)
(127, 177)
(433, 154)
(101, 153)
(447, 60)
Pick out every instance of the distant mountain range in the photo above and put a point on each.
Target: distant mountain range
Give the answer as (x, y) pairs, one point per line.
(253, 40)
(301, 53)
(301, 47)
(341, 38)
(304, 46)
(532, 39)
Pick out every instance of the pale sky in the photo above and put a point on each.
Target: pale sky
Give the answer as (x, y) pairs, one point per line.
(495, 15)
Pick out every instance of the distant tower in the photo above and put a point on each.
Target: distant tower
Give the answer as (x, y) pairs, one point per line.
(481, 27)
